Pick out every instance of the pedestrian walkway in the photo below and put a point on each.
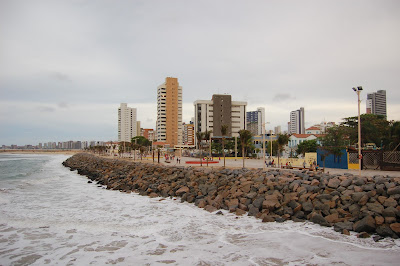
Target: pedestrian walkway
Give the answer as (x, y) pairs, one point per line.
(231, 162)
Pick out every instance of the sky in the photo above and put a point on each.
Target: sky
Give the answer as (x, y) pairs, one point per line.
(65, 66)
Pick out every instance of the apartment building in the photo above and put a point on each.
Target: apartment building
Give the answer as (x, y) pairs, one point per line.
(220, 110)
(296, 124)
(376, 103)
(169, 112)
(255, 121)
(127, 123)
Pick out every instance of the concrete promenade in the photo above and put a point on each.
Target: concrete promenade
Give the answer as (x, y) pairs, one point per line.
(230, 162)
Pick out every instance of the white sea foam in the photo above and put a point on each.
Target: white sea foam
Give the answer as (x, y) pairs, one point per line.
(54, 216)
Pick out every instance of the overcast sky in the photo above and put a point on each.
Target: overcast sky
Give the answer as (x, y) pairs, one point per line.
(65, 66)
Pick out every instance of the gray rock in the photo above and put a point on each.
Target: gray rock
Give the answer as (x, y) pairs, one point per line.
(369, 187)
(334, 183)
(393, 190)
(384, 230)
(318, 219)
(367, 224)
(359, 182)
(338, 227)
(258, 203)
(356, 196)
(375, 207)
(253, 211)
(390, 212)
(354, 209)
(307, 206)
(346, 182)
(324, 197)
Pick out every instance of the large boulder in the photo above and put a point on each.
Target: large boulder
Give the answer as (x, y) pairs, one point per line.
(385, 230)
(396, 228)
(271, 202)
(393, 190)
(367, 224)
(334, 183)
(339, 227)
(318, 219)
(181, 191)
(375, 207)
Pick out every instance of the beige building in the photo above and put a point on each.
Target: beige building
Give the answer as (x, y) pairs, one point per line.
(220, 110)
(127, 123)
(169, 112)
(188, 134)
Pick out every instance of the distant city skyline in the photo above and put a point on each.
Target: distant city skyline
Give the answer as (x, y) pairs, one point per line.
(67, 65)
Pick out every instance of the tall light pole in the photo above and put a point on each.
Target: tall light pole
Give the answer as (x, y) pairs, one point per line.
(270, 136)
(358, 90)
(263, 144)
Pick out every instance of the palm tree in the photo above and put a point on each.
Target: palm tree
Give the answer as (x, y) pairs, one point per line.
(200, 137)
(224, 131)
(245, 139)
(207, 136)
(282, 142)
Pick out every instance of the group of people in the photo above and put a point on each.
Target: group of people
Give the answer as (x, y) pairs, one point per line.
(270, 163)
(171, 157)
(288, 165)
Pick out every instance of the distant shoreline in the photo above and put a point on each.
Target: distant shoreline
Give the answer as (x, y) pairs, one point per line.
(55, 151)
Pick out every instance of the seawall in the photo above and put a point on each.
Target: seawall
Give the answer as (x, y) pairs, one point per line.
(366, 205)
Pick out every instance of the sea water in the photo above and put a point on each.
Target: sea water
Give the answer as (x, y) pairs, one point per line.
(50, 215)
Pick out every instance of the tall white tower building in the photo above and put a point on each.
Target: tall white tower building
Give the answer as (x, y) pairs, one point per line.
(296, 125)
(376, 103)
(127, 123)
(255, 121)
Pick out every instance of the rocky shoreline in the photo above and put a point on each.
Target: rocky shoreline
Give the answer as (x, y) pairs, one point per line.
(366, 205)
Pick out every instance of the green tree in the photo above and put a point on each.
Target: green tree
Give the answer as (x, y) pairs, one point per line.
(200, 137)
(207, 138)
(394, 136)
(245, 141)
(140, 143)
(283, 140)
(307, 146)
(374, 129)
(217, 147)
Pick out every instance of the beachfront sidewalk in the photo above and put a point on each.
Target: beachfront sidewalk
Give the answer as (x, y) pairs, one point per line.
(230, 162)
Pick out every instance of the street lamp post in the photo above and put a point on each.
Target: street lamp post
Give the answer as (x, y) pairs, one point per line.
(263, 144)
(270, 136)
(358, 90)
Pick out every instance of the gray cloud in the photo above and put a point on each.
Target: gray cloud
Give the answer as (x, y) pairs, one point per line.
(281, 97)
(97, 52)
(60, 76)
(46, 109)
(63, 105)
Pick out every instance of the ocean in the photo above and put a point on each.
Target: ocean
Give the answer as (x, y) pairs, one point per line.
(52, 216)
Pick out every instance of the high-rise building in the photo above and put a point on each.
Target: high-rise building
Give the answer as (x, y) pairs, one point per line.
(148, 133)
(277, 130)
(376, 103)
(138, 128)
(255, 121)
(127, 124)
(169, 112)
(220, 110)
(188, 134)
(296, 125)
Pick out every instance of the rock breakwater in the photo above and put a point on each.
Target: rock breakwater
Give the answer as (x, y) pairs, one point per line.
(367, 205)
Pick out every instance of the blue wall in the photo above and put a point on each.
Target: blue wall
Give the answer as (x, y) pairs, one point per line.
(333, 161)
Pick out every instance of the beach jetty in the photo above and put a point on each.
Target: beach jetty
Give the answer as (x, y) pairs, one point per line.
(367, 205)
